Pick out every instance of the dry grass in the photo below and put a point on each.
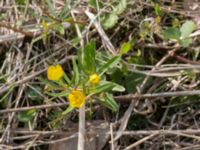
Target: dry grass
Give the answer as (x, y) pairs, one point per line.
(159, 110)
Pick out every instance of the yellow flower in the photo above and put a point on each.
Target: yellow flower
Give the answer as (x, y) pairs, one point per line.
(158, 19)
(94, 79)
(76, 99)
(55, 73)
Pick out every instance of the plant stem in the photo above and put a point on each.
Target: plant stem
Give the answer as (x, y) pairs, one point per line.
(81, 134)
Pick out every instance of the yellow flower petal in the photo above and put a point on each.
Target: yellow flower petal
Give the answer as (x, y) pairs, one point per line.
(55, 73)
(76, 99)
(94, 79)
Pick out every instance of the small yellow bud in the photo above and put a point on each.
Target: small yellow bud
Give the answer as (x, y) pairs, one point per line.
(76, 99)
(158, 19)
(55, 73)
(94, 79)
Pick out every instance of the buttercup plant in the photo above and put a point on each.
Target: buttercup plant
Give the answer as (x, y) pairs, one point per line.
(86, 81)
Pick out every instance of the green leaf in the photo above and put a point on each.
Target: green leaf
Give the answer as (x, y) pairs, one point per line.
(61, 94)
(68, 110)
(186, 42)
(118, 88)
(187, 28)
(157, 9)
(61, 29)
(120, 8)
(80, 61)
(108, 102)
(172, 33)
(21, 2)
(7, 94)
(89, 57)
(66, 78)
(44, 25)
(111, 63)
(104, 86)
(109, 21)
(46, 30)
(50, 84)
(176, 23)
(65, 11)
(132, 80)
(51, 7)
(125, 48)
(27, 115)
(75, 41)
(93, 3)
(33, 94)
(76, 72)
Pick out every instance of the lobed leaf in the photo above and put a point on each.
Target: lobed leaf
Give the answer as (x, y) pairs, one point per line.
(111, 63)
(187, 28)
(109, 102)
(89, 57)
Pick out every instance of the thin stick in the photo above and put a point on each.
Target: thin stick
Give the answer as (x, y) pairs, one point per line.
(15, 29)
(129, 97)
(32, 107)
(81, 133)
(101, 32)
(111, 135)
(162, 132)
(141, 141)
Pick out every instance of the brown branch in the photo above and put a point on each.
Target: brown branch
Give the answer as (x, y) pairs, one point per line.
(92, 132)
(163, 132)
(168, 9)
(15, 29)
(32, 107)
(185, 60)
(141, 141)
(60, 21)
(130, 97)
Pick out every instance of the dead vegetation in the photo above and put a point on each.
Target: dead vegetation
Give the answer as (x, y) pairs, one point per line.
(160, 71)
